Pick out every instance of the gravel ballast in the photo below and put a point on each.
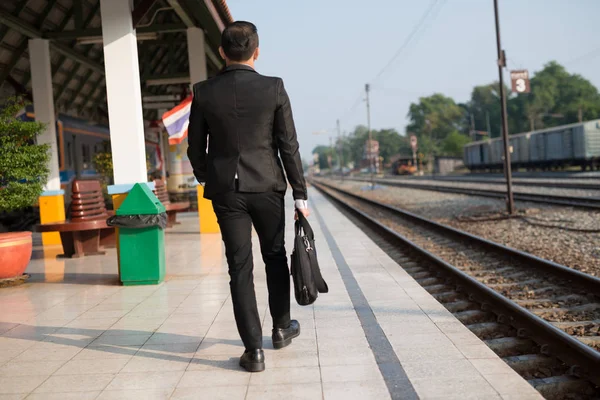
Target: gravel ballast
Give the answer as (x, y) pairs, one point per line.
(561, 234)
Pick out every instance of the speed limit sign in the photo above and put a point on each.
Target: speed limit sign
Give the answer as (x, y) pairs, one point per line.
(520, 81)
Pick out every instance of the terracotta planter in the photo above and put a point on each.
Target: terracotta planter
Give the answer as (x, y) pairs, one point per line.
(15, 253)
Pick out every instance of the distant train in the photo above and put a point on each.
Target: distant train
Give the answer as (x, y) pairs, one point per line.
(403, 166)
(562, 146)
(79, 141)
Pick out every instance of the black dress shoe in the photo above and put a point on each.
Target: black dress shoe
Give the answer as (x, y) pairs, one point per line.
(253, 360)
(283, 336)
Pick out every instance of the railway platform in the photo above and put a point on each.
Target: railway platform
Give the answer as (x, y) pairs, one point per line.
(73, 332)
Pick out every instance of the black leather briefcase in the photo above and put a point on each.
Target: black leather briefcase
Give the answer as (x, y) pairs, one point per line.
(306, 274)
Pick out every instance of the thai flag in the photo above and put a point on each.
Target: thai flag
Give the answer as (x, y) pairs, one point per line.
(176, 121)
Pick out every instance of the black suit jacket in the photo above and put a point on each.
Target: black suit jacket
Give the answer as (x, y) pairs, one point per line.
(246, 118)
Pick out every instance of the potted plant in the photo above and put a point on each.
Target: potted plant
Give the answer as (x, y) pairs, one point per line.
(23, 174)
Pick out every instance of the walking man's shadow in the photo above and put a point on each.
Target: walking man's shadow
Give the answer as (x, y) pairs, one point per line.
(90, 339)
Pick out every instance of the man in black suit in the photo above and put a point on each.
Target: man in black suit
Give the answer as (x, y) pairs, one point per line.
(246, 120)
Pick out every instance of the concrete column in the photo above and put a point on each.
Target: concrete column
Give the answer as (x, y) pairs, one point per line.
(180, 169)
(196, 55)
(43, 104)
(123, 92)
(198, 73)
(52, 200)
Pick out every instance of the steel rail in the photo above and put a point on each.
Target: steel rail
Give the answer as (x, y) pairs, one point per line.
(584, 360)
(580, 202)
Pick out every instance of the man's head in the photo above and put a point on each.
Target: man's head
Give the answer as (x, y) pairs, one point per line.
(239, 43)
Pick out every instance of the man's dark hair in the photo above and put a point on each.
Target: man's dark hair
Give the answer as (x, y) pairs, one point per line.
(239, 40)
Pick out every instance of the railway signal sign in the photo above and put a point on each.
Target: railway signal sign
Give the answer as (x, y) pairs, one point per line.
(413, 142)
(520, 81)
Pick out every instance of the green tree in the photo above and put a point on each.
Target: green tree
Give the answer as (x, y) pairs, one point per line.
(453, 144)
(324, 153)
(390, 143)
(574, 95)
(432, 119)
(533, 109)
(484, 106)
(556, 98)
(23, 164)
(355, 142)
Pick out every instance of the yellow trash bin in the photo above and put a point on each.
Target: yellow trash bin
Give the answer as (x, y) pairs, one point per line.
(206, 213)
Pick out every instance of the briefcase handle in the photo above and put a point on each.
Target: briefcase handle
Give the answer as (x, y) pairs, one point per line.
(302, 222)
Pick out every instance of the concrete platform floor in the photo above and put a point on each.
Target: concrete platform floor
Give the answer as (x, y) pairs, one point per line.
(72, 332)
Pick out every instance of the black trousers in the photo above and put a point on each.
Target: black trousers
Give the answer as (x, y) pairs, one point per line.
(236, 213)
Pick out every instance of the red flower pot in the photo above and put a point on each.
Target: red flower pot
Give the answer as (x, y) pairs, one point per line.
(15, 253)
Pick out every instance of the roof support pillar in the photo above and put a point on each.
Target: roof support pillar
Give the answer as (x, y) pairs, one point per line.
(43, 103)
(196, 54)
(181, 175)
(124, 94)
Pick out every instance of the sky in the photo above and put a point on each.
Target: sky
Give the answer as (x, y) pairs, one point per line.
(327, 50)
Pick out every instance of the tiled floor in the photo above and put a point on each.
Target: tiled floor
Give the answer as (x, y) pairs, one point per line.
(72, 332)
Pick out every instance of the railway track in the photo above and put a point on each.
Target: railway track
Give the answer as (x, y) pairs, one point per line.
(547, 183)
(542, 318)
(570, 201)
(538, 174)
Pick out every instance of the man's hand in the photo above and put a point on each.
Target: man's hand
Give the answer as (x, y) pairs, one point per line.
(304, 212)
(301, 206)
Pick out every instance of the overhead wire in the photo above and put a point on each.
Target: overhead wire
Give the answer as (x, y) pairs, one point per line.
(409, 38)
(591, 54)
(358, 100)
(427, 17)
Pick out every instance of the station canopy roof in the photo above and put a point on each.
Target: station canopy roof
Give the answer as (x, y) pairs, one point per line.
(75, 30)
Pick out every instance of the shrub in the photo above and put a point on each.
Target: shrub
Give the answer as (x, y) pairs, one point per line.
(23, 164)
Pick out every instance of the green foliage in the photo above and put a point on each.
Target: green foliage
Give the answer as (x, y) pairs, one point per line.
(435, 116)
(453, 144)
(104, 164)
(355, 142)
(442, 126)
(352, 147)
(432, 119)
(23, 164)
(556, 98)
(390, 143)
(484, 106)
(324, 152)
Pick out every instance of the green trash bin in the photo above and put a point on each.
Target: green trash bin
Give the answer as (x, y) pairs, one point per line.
(142, 249)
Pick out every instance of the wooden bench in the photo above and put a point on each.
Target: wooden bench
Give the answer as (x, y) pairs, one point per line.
(160, 190)
(86, 232)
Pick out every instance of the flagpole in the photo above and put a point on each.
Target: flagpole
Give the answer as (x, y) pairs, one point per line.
(163, 155)
(161, 142)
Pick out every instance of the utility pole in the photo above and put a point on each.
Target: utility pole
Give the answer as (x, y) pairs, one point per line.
(330, 158)
(341, 150)
(431, 156)
(532, 123)
(501, 64)
(370, 142)
(487, 120)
